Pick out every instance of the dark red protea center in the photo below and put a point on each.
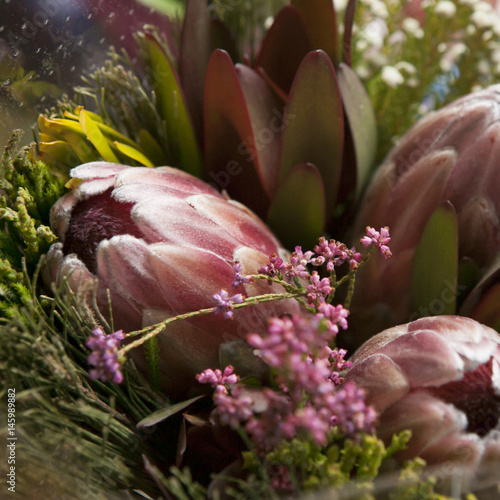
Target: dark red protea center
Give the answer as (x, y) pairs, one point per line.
(95, 219)
(475, 396)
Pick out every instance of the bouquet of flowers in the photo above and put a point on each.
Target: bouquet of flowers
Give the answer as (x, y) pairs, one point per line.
(253, 250)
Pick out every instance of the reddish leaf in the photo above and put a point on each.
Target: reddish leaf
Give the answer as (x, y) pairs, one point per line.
(285, 45)
(200, 36)
(242, 126)
(266, 117)
(314, 131)
(320, 19)
(348, 25)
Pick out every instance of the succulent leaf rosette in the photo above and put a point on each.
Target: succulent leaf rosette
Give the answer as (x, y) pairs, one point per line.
(163, 243)
(290, 133)
(440, 378)
(438, 192)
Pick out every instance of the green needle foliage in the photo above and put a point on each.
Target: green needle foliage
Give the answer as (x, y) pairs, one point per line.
(75, 438)
(27, 192)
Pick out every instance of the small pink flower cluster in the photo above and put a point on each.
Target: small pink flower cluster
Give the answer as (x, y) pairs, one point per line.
(318, 292)
(378, 238)
(104, 356)
(219, 379)
(319, 289)
(311, 399)
(225, 303)
(335, 253)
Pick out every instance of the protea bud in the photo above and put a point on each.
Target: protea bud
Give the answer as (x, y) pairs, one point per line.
(163, 243)
(438, 377)
(438, 192)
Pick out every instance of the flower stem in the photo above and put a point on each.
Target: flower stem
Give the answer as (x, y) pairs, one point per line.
(154, 330)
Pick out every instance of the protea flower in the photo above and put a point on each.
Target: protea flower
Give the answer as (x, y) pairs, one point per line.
(438, 192)
(163, 243)
(438, 377)
(290, 133)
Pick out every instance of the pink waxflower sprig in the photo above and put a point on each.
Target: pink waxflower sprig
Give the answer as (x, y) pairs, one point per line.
(309, 399)
(104, 356)
(302, 278)
(379, 239)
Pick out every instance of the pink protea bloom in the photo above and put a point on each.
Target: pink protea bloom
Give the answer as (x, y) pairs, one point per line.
(447, 162)
(163, 242)
(440, 378)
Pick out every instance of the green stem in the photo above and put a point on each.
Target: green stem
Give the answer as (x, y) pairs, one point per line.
(350, 291)
(154, 330)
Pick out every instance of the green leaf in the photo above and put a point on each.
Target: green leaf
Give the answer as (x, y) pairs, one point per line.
(151, 148)
(164, 413)
(171, 8)
(314, 131)
(134, 154)
(362, 123)
(434, 276)
(301, 201)
(173, 108)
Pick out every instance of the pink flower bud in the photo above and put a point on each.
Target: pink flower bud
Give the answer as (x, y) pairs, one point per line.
(162, 242)
(440, 378)
(450, 157)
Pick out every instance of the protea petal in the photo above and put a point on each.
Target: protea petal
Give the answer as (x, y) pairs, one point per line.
(384, 381)
(450, 156)
(429, 419)
(123, 266)
(452, 401)
(479, 221)
(427, 359)
(474, 343)
(164, 178)
(247, 230)
(193, 270)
